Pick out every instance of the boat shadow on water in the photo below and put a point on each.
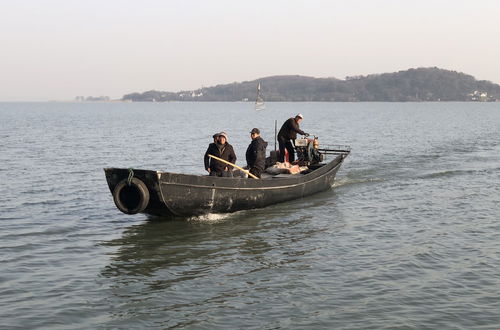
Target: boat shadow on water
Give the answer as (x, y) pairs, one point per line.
(211, 261)
(158, 245)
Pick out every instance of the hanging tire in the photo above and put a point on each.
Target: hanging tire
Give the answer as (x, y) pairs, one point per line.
(131, 198)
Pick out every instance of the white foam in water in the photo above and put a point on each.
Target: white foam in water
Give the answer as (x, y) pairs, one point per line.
(210, 217)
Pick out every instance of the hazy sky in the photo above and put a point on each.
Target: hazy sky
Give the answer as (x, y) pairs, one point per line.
(58, 49)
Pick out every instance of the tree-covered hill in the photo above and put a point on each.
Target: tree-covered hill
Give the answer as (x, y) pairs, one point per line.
(422, 84)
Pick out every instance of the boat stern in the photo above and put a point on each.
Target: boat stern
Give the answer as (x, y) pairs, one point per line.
(135, 191)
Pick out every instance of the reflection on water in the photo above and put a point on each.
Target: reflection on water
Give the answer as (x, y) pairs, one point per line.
(159, 243)
(184, 264)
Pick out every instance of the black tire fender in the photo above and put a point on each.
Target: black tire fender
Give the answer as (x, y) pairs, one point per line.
(131, 197)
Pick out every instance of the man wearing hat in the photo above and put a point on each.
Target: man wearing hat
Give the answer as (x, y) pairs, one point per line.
(256, 153)
(215, 137)
(286, 136)
(210, 146)
(222, 149)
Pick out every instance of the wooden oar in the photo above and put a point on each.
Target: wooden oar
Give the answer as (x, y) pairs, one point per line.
(233, 165)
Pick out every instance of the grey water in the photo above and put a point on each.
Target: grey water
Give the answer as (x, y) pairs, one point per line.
(408, 238)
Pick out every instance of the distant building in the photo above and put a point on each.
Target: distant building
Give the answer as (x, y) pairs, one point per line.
(480, 96)
(92, 99)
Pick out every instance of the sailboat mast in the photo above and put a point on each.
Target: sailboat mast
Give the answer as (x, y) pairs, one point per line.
(259, 101)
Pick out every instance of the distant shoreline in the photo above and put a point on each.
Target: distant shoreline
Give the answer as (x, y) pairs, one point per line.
(100, 102)
(412, 85)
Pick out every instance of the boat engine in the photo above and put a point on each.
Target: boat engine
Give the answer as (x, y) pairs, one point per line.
(307, 151)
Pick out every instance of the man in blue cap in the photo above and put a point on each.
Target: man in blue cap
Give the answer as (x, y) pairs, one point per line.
(256, 153)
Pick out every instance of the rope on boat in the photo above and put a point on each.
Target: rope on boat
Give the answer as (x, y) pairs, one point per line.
(130, 176)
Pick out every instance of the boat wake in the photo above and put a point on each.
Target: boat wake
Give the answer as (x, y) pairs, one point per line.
(211, 217)
(350, 181)
(460, 172)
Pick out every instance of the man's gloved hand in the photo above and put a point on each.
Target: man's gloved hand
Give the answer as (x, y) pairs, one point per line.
(306, 134)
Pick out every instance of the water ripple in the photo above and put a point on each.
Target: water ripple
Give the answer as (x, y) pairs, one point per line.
(407, 239)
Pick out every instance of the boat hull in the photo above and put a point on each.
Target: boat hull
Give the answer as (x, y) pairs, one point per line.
(172, 194)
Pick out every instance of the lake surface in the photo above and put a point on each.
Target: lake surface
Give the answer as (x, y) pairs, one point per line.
(407, 239)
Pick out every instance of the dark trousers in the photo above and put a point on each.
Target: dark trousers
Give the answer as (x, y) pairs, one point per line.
(255, 171)
(286, 144)
(226, 174)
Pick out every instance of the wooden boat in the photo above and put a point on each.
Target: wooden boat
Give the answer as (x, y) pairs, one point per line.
(172, 194)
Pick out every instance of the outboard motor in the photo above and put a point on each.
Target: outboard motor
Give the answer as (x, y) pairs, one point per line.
(307, 151)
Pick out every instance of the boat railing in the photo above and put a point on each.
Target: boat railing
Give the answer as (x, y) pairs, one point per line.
(335, 149)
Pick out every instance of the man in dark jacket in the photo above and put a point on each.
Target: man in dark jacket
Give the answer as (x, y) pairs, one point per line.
(210, 147)
(256, 153)
(221, 149)
(286, 135)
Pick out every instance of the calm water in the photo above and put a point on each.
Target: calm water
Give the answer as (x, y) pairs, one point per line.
(407, 239)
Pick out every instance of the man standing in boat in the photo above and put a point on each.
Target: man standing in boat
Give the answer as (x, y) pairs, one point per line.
(221, 149)
(287, 135)
(256, 153)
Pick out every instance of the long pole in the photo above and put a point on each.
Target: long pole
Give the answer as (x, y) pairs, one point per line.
(275, 132)
(233, 165)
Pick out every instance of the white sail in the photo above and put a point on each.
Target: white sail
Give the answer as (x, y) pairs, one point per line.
(259, 102)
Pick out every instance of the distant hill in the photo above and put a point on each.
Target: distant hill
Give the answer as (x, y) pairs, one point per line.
(413, 85)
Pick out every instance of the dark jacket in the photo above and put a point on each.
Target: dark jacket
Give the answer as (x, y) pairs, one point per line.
(225, 152)
(289, 130)
(256, 153)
